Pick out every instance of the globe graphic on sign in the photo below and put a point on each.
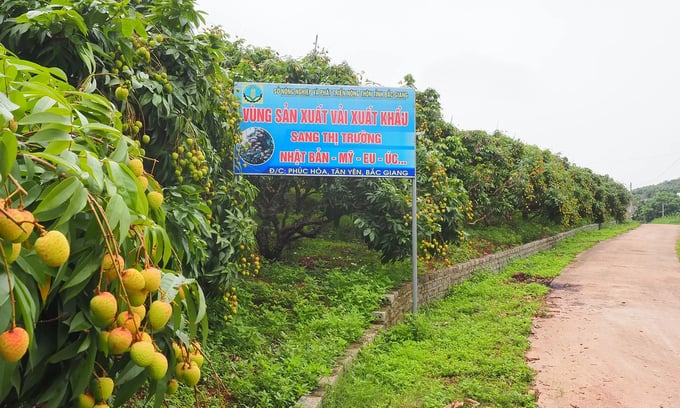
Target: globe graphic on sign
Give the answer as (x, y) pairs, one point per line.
(257, 146)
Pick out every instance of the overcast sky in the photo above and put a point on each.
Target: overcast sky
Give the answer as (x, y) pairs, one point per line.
(597, 82)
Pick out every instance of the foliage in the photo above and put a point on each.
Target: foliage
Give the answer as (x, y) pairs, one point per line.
(173, 87)
(646, 192)
(382, 208)
(661, 204)
(471, 345)
(65, 159)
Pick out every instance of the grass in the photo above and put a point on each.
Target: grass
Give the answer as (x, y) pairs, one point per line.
(294, 320)
(300, 314)
(469, 345)
(669, 219)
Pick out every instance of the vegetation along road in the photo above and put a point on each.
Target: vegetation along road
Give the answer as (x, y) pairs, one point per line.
(611, 336)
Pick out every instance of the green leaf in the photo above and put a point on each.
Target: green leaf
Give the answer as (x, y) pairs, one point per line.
(57, 148)
(79, 323)
(58, 160)
(170, 283)
(46, 117)
(7, 106)
(68, 352)
(27, 305)
(8, 377)
(121, 152)
(4, 287)
(43, 104)
(84, 270)
(8, 152)
(200, 314)
(55, 393)
(76, 204)
(118, 216)
(89, 162)
(82, 370)
(51, 134)
(126, 27)
(130, 379)
(57, 197)
(128, 186)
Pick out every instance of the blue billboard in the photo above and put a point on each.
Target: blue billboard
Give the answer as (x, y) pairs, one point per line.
(325, 130)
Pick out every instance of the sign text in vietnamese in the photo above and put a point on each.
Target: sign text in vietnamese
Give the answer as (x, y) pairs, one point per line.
(326, 130)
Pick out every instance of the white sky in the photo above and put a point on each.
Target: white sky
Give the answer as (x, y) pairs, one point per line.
(597, 81)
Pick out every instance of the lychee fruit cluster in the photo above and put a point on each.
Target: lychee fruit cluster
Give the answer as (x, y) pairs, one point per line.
(52, 247)
(129, 320)
(154, 196)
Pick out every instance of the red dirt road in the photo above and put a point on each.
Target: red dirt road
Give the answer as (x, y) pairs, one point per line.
(612, 335)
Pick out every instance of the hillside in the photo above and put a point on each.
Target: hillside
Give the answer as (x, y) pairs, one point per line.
(646, 192)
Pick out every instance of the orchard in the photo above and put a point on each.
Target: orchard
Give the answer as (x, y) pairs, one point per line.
(121, 219)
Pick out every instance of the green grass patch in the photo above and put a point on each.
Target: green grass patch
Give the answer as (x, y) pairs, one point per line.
(469, 345)
(670, 219)
(294, 320)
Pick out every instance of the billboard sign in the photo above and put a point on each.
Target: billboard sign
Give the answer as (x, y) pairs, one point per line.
(325, 130)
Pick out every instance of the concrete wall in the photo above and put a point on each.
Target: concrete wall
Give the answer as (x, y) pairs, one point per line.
(432, 286)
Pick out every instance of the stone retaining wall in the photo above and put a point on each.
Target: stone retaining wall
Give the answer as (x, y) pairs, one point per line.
(432, 286)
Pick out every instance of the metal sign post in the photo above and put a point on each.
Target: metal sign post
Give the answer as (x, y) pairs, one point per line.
(414, 245)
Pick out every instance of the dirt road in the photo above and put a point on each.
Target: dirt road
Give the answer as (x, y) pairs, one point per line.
(612, 334)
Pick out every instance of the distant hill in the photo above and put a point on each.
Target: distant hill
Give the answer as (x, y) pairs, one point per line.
(644, 193)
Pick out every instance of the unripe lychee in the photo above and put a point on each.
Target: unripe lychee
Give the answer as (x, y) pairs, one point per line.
(53, 248)
(13, 344)
(140, 310)
(177, 350)
(14, 252)
(102, 405)
(109, 265)
(103, 307)
(142, 353)
(158, 367)
(101, 388)
(136, 166)
(159, 314)
(129, 320)
(197, 358)
(85, 401)
(172, 387)
(191, 374)
(133, 279)
(143, 181)
(137, 297)
(144, 336)
(152, 278)
(122, 93)
(119, 340)
(155, 199)
(179, 371)
(10, 231)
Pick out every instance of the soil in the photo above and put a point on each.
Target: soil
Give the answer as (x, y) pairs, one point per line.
(610, 335)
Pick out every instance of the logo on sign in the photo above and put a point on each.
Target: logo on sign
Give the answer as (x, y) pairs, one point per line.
(253, 93)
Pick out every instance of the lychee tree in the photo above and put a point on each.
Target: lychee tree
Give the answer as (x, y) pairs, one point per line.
(84, 254)
(170, 80)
